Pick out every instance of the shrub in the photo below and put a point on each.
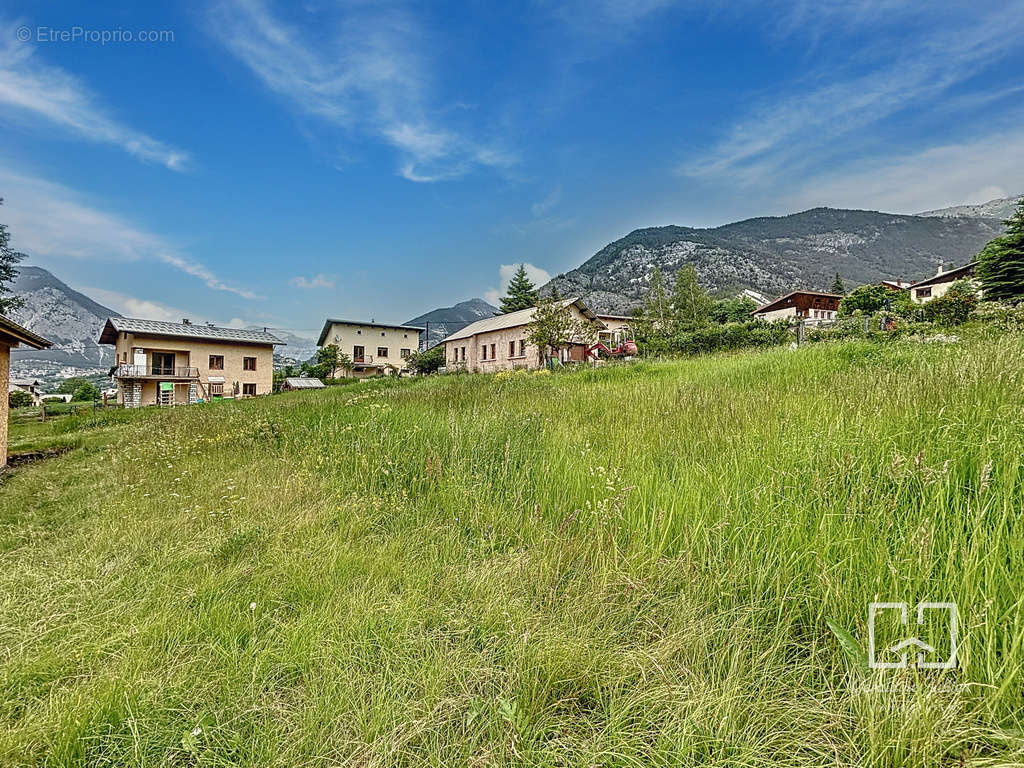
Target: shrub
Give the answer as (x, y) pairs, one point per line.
(953, 307)
(19, 398)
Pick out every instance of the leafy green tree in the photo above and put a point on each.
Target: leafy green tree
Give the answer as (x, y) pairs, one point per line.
(953, 307)
(657, 307)
(427, 361)
(9, 259)
(70, 385)
(837, 286)
(1001, 262)
(522, 293)
(88, 392)
(554, 326)
(691, 305)
(867, 298)
(19, 398)
(732, 310)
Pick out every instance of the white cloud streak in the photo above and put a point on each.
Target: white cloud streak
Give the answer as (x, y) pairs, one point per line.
(364, 75)
(47, 219)
(32, 89)
(791, 130)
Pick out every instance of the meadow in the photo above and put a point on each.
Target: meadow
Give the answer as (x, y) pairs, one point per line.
(657, 563)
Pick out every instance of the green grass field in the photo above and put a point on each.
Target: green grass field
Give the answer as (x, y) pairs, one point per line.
(631, 566)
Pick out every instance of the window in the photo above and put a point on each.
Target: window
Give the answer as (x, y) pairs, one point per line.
(217, 390)
(522, 348)
(382, 351)
(249, 364)
(511, 349)
(494, 352)
(248, 390)
(463, 354)
(216, 362)
(404, 353)
(382, 333)
(924, 293)
(358, 353)
(483, 351)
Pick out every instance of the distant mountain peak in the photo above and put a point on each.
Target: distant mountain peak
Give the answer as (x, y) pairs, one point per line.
(1000, 208)
(444, 321)
(773, 255)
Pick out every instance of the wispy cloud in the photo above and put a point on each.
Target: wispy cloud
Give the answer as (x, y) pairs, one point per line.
(950, 174)
(803, 121)
(361, 72)
(553, 198)
(506, 272)
(48, 219)
(319, 280)
(33, 89)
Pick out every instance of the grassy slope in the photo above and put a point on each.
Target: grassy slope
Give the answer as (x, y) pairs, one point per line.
(624, 567)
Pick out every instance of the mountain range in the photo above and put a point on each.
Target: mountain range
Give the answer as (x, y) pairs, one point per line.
(770, 256)
(773, 255)
(447, 320)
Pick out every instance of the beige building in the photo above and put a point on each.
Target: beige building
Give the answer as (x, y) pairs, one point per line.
(617, 328)
(499, 343)
(29, 386)
(933, 287)
(375, 348)
(12, 335)
(158, 363)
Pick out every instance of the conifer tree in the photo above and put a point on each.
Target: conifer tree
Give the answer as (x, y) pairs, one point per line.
(838, 287)
(1001, 262)
(9, 259)
(522, 293)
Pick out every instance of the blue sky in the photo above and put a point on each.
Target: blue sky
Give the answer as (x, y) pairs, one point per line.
(274, 164)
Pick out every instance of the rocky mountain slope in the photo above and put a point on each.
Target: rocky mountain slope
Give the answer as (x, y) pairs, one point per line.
(71, 320)
(447, 320)
(774, 255)
(1001, 209)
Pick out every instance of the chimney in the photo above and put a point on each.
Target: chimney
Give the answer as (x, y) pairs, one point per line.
(186, 321)
(940, 270)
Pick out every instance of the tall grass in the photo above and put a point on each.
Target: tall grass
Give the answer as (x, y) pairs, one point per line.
(636, 565)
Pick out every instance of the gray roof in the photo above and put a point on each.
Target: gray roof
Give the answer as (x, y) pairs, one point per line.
(116, 325)
(514, 320)
(361, 324)
(303, 382)
(949, 276)
(13, 333)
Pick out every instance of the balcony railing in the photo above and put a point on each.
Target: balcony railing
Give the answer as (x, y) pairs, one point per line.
(155, 371)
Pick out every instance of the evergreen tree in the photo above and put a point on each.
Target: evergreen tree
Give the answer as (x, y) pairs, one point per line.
(691, 304)
(1001, 262)
(9, 259)
(522, 293)
(838, 287)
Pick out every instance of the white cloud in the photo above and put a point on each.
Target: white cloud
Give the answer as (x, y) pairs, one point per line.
(953, 174)
(507, 271)
(47, 219)
(319, 280)
(362, 73)
(553, 198)
(32, 89)
(811, 120)
(132, 306)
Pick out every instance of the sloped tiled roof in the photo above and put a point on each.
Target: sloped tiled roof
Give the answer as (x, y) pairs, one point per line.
(513, 320)
(361, 324)
(18, 335)
(949, 276)
(116, 325)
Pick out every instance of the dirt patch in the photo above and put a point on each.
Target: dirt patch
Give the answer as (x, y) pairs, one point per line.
(29, 457)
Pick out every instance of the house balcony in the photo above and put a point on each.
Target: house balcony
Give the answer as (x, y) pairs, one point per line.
(154, 372)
